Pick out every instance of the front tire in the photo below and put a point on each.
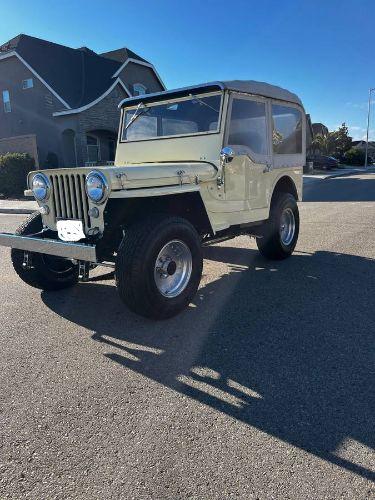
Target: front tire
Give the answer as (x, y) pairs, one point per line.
(45, 272)
(159, 266)
(280, 232)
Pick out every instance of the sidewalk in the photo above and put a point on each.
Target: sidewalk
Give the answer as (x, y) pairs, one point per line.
(339, 172)
(18, 206)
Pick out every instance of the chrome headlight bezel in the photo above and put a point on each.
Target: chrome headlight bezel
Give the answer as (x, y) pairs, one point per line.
(105, 187)
(46, 183)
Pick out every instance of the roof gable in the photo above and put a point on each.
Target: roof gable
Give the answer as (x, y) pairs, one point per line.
(121, 55)
(78, 76)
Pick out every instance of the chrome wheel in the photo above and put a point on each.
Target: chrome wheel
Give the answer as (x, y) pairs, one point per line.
(287, 226)
(173, 268)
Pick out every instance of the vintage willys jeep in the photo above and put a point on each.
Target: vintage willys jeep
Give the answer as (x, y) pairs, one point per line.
(193, 166)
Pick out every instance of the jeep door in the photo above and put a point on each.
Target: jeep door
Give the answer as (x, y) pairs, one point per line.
(248, 134)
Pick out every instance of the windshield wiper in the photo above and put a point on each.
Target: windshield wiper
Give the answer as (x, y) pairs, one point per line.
(204, 103)
(141, 109)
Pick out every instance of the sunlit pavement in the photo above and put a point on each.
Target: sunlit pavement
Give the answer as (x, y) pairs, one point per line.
(263, 388)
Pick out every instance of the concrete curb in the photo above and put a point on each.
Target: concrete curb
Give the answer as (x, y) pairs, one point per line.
(345, 174)
(20, 211)
(338, 174)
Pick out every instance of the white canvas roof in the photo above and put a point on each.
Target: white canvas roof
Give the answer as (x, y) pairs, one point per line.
(246, 86)
(261, 88)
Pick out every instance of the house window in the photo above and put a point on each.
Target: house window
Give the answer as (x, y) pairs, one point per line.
(28, 83)
(92, 148)
(287, 130)
(6, 101)
(139, 89)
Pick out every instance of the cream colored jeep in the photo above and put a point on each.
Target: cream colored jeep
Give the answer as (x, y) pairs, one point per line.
(194, 166)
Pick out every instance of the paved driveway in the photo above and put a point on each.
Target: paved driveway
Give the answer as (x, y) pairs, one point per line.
(263, 388)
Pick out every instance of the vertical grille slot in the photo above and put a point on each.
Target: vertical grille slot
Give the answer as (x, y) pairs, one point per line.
(68, 202)
(73, 198)
(60, 183)
(78, 196)
(84, 200)
(69, 197)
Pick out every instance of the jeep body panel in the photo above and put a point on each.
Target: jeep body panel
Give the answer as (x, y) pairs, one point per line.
(233, 193)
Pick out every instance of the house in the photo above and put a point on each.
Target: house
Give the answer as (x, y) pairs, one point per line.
(309, 132)
(319, 129)
(60, 104)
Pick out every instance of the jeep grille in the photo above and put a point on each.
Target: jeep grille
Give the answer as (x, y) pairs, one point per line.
(69, 197)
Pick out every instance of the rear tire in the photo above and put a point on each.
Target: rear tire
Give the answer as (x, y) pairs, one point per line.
(159, 266)
(46, 272)
(280, 232)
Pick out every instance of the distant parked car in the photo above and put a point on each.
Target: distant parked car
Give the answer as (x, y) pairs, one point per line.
(323, 161)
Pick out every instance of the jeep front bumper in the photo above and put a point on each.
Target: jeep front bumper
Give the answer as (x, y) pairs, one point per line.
(77, 251)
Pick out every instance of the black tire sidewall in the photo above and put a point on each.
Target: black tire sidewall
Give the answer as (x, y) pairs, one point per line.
(139, 273)
(270, 245)
(40, 275)
(287, 201)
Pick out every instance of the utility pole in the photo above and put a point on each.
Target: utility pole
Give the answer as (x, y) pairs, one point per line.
(368, 123)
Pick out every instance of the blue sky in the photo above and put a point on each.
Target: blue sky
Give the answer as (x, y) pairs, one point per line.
(323, 50)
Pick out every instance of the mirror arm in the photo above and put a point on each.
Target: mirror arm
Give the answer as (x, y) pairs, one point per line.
(226, 156)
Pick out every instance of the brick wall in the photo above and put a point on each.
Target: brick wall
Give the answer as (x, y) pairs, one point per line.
(31, 109)
(20, 144)
(102, 116)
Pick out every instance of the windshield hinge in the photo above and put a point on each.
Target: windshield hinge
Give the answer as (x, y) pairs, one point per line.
(122, 177)
(181, 173)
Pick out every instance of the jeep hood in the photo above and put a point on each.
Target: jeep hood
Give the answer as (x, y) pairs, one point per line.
(145, 175)
(158, 174)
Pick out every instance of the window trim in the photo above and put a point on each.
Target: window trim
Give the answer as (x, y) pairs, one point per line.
(255, 157)
(31, 80)
(173, 101)
(7, 106)
(139, 85)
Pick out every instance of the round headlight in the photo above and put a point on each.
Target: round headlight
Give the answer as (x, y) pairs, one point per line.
(96, 187)
(40, 186)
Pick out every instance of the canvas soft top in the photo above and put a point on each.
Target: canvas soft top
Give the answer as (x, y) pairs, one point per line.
(246, 86)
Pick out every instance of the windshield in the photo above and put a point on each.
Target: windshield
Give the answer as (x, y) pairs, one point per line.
(187, 116)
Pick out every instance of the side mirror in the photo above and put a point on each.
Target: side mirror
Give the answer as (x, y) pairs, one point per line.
(226, 154)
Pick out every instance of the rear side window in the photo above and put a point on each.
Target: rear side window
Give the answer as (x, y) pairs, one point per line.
(287, 130)
(248, 125)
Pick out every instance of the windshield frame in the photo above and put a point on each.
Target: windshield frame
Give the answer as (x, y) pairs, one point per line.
(171, 102)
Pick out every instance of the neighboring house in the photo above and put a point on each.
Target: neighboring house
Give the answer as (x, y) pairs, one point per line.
(60, 104)
(309, 133)
(319, 128)
(361, 145)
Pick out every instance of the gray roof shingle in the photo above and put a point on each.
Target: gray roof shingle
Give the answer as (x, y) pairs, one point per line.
(78, 76)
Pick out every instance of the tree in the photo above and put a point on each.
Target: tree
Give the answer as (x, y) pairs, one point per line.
(334, 143)
(342, 142)
(354, 157)
(322, 143)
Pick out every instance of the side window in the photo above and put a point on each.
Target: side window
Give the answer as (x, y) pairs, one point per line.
(248, 125)
(287, 130)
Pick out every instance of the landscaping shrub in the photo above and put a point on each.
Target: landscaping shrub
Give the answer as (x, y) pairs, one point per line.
(14, 168)
(354, 157)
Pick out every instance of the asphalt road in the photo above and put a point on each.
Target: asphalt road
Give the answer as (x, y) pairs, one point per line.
(263, 388)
